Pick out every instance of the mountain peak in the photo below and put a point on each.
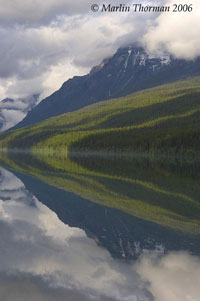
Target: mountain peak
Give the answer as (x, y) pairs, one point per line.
(130, 69)
(7, 100)
(99, 67)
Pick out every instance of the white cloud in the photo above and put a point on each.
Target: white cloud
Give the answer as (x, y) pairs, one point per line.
(8, 181)
(23, 287)
(57, 75)
(10, 118)
(48, 258)
(34, 242)
(32, 12)
(13, 111)
(73, 37)
(175, 277)
(177, 33)
(43, 43)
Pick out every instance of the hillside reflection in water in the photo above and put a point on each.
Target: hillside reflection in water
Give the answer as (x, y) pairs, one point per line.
(57, 245)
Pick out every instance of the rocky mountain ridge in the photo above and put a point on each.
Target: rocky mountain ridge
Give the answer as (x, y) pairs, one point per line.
(130, 69)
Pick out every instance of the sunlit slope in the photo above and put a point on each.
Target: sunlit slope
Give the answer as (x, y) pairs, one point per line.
(157, 120)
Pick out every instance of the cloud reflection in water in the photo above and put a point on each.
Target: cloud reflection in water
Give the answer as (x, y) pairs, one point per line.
(44, 259)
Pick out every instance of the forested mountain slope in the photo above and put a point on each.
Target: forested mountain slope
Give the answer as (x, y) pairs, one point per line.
(161, 119)
(129, 69)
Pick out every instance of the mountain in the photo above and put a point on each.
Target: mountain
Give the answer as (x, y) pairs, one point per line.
(13, 111)
(130, 69)
(123, 235)
(154, 124)
(159, 120)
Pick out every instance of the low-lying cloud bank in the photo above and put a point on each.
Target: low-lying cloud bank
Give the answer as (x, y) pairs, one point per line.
(13, 111)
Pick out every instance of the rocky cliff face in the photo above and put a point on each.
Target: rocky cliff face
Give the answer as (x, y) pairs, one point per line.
(130, 69)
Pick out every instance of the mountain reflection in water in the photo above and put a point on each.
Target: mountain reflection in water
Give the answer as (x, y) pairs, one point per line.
(57, 245)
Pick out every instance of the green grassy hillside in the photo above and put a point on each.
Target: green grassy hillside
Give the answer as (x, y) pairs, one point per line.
(165, 119)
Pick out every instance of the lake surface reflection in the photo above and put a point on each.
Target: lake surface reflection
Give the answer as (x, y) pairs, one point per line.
(63, 237)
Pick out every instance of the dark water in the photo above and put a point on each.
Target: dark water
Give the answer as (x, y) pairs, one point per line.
(107, 231)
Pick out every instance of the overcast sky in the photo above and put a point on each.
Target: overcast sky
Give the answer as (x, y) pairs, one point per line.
(43, 43)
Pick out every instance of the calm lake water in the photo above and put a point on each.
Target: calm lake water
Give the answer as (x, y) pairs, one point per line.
(99, 229)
